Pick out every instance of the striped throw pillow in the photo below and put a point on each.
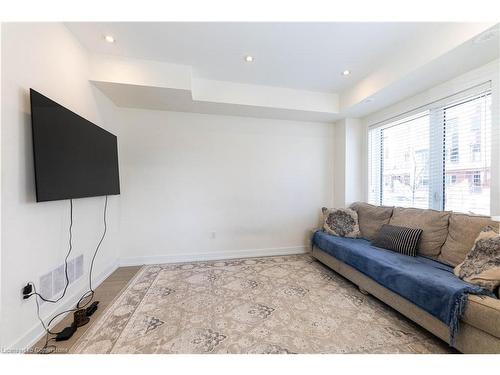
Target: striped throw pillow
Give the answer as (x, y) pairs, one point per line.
(401, 239)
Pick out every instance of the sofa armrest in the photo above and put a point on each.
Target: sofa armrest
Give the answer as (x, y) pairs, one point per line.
(483, 313)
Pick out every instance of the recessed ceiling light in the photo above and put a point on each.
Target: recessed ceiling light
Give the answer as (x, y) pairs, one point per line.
(109, 39)
(249, 58)
(346, 72)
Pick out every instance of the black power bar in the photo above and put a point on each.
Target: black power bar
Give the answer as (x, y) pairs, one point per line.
(27, 290)
(67, 332)
(92, 308)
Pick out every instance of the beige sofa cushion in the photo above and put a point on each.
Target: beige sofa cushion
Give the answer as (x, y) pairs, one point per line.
(371, 218)
(483, 313)
(462, 232)
(433, 223)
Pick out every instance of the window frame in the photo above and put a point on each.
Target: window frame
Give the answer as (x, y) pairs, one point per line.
(437, 122)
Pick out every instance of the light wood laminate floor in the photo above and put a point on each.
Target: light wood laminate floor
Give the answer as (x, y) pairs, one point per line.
(105, 294)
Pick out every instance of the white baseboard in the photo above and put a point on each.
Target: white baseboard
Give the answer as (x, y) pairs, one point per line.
(192, 257)
(35, 333)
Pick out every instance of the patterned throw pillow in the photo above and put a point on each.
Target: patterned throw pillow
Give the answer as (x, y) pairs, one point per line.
(401, 239)
(482, 264)
(341, 222)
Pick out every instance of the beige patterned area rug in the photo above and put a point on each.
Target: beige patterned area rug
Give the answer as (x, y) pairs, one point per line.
(286, 304)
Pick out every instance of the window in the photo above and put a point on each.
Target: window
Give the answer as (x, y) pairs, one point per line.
(403, 152)
(475, 152)
(477, 178)
(472, 121)
(452, 139)
(439, 158)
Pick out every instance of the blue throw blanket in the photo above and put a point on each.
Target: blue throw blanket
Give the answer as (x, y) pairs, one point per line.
(428, 284)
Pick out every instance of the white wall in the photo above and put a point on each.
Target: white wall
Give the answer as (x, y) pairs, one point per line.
(34, 235)
(339, 164)
(355, 148)
(349, 147)
(258, 184)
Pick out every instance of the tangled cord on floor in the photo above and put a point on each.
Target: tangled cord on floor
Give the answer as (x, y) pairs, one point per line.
(89, 295)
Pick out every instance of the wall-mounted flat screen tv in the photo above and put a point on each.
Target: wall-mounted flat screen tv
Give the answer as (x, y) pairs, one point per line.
(74, 158)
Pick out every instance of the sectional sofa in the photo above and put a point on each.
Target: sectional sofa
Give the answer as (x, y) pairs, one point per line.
(447, 238)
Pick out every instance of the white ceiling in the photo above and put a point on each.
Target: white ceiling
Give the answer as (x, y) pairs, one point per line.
(200, 67)
(307, 56)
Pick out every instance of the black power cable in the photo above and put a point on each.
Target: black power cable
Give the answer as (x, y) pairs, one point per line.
(35, 293)
(90, 293)
(45, 349)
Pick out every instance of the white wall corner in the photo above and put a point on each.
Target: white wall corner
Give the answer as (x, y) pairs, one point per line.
(339, 164)
(349, 165)
(355, 149)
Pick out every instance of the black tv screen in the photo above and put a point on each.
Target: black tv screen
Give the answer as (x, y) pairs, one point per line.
(74, 158)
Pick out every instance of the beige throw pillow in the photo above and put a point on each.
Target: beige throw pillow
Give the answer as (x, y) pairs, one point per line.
(341, 222)
(433, 223)
(463, 230)
(371, 218)
(482, 264)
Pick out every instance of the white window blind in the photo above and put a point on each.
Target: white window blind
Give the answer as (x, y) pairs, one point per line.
(438, 157)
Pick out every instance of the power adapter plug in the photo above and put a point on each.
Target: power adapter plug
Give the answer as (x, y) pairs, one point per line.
(92, 308)
(66, 333)
(27, 290)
